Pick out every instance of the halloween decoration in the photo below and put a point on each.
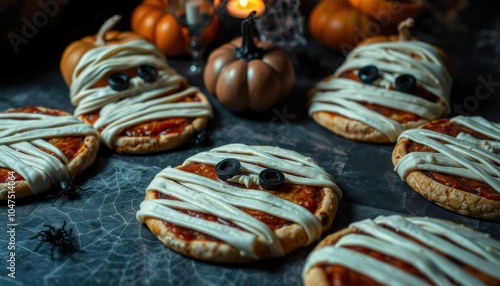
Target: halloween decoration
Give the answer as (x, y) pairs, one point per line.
(122, 85)
(152, 20)
(391, 11)
(386, 85)
(105, 36)
(59, 238)
(40, 148)
(248, 74)
(338, 26)
(240, 203)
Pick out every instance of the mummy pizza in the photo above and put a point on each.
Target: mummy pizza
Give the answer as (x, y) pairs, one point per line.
(122, 85)
(395, 250)
(383, 88)
(42, 148)
(454, 163)
(239, 203)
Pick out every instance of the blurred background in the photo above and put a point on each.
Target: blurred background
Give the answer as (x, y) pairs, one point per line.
(34, 33)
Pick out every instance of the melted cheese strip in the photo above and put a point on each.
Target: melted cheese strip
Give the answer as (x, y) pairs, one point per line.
(341, 95)
(464, 156)
(469, 247)
(142, 102)
(21, 134)
(220, 199)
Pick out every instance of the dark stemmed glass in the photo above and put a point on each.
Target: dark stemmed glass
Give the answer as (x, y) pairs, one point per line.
(195, 15)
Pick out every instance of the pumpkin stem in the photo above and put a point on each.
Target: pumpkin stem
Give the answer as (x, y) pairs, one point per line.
(404, 29)
(249, 50)
(106, 27)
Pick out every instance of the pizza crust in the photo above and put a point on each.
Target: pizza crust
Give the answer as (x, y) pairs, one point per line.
(291, 237)
(354, 129)
(149, 144)
(84, 157)
(455, 200)
(316, 276)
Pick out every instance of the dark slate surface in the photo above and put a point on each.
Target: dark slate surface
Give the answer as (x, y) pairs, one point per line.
(117, 249)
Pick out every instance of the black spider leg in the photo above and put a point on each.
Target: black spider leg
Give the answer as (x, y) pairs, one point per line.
(69, 190)
(66, 245)
(201, 137)
(60, 239)
(43, 235)
(47, 238)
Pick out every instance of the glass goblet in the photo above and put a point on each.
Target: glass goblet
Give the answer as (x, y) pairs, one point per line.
(195, 15)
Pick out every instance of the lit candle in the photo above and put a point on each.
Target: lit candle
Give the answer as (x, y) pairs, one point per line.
(193, 13)
(242, 8)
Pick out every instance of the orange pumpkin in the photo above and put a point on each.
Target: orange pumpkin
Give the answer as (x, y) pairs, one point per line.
(404, 34)
(248, 74)
(75, 51)
(389, 11)
(338, 26)
(152, 20)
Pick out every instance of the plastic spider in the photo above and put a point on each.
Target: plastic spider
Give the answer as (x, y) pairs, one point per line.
(60, 239)
(69, 190)
(202, 137)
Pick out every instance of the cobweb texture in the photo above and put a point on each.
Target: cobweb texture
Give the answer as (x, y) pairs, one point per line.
(116, 249)
(282, 24)
(119, 250)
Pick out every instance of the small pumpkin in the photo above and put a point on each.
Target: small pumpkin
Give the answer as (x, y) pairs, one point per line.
(105, 36)
(389, 11)
(152, 19)
(338, 26)
(249, 74)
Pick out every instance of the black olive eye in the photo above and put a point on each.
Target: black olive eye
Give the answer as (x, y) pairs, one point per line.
(119, 81)
(368, 74)
(271, 179)
(405, 83)
(147, 73)
(227, 168)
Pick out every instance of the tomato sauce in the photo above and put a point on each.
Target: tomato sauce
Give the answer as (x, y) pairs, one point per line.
(472, 186)
(339, 275)
(153, 128)
(395, 114)
(68, 145)
(156, 128)
(306, 196)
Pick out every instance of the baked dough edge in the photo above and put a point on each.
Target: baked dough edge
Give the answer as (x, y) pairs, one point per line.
(291, 237)
(452, 199)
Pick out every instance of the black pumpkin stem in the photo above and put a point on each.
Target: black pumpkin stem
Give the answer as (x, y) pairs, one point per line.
(249, 50)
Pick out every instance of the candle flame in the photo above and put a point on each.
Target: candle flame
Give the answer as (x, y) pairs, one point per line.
(243, 3)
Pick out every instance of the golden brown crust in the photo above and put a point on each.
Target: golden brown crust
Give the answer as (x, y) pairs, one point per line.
(316, 275)
(453, 199)
(150, 144)
(84, 157)
(356, 130)
(291, 237)
(319, 273)
(21, 190)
